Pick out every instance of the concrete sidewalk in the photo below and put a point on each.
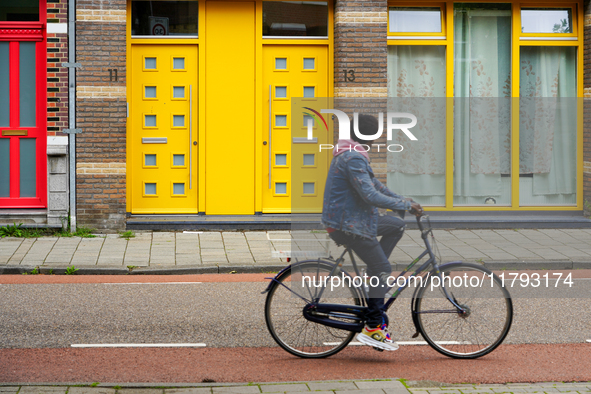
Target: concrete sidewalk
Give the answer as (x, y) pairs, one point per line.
(213, 252)
(386, 386)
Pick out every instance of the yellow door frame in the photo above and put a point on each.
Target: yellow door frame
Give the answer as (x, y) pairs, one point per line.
(202, 72)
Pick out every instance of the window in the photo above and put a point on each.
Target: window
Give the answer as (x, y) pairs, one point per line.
(295, 19)
(546, 20)
(414, 20)
(164, 18)
(19, 11)
(513, 72)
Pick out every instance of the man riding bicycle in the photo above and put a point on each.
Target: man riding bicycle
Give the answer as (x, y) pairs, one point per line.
(352, 197)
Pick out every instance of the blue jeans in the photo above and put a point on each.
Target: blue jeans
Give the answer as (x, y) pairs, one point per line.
(375, 255)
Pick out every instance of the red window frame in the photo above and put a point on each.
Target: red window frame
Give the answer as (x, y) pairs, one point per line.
(14, 33)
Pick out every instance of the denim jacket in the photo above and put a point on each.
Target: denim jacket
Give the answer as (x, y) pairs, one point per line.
(352, 196)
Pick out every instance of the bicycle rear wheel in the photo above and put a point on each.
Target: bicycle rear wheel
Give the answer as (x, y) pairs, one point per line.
(478, 331)
(285, 304)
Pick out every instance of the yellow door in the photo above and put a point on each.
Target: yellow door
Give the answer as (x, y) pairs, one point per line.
(294, 169)
(163, 135)
(230, 108)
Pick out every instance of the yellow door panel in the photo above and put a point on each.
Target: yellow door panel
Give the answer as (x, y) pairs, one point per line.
(163, 134)
(230, 108)
(294, 174)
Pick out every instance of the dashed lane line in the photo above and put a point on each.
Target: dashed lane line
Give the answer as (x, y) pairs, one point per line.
(96, 345)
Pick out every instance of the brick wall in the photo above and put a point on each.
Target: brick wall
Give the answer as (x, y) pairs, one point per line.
(587, 112)
(361, 45)
(57, 76)
(101, 114)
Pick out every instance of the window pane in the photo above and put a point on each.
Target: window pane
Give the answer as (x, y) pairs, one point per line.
(150, 92)
(308, 187)
(482, 108)
(546, 20)
(150, 120)
(308, 91)
(307, 119)
(28, 167)
(150, 63)
(548, 126)
(150, 188)
(178, 92)
(309, 63)
(281, 188)
(281, 159)
(417, 86)
(178, 63)
(280, 92)
(415, 20)
(280, 120)
(295, 18)
(4, 86)
(28, 92)
(308, 159)
(5, 167)
(178, 160)
(150, 160)
(178, 120)
(19, 11)
(281, 63)
(178, 188)
(157, 18)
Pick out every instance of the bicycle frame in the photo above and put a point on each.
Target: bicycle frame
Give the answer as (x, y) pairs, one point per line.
(431, 261)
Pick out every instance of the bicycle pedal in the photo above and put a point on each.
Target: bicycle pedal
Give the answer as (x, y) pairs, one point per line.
(378, 349)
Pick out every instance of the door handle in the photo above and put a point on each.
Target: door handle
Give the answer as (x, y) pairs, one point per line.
(270, 130)
(190, 137)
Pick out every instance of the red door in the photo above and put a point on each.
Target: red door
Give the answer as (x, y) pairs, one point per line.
(23, 131)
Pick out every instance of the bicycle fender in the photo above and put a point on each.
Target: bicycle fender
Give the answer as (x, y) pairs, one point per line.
(274, 279)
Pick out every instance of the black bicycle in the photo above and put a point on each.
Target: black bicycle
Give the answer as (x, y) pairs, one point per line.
(461, 309)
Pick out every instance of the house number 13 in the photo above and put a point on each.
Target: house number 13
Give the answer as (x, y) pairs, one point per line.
(349, 75)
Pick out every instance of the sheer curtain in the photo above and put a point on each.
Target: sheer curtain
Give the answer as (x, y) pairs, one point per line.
(416, 84)
(482, 111)
(548, 126)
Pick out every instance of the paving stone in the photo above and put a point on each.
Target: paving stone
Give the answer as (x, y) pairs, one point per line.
(381, 384)
(366, 391)
(42, 390)
(189, 390)
(237, 389)
(139, 391)
(282, 388)
(91, 390)
(9, 389)
(332, 386)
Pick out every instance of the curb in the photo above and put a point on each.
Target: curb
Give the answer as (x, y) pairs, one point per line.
(61, 270)
(258, 269)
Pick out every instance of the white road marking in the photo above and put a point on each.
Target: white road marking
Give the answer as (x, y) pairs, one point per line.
(154, 283)
(138, 345)
(407, 343)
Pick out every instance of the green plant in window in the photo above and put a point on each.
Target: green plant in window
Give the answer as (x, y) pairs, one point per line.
(562, 27)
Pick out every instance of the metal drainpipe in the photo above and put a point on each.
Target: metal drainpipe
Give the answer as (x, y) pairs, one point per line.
(72, 108)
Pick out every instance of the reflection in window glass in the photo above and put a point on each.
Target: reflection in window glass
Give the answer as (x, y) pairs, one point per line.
(150, 92)
(28, 87)
(178, 188)
(309, 63)
(295, 18)
(150, 189)
(19, 11)
(280, 63)
(178, 92)
(5, 165)
(546, 20)
(308, 159)
(164, 18)
(308, 187)
(178, 120)
(281, 188)
(280, 92)
(4, 85)
(415, 20)
(281, 120)
(28, 168)
(281, 159)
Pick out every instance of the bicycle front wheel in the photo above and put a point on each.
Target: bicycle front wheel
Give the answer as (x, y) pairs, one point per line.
(295, 288)
(487, 305)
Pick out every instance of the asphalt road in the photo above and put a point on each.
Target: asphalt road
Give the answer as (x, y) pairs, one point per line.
(216, 314)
